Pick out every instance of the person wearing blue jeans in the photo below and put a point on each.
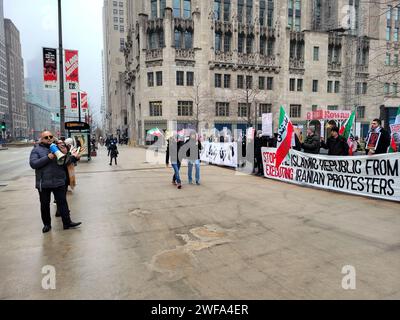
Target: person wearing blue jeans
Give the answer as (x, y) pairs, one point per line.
(173, 148)
(193, 146)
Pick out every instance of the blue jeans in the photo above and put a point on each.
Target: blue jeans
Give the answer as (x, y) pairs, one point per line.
(176, 167)
(190, 167)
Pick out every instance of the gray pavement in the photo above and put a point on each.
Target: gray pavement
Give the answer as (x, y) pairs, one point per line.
(233, 237)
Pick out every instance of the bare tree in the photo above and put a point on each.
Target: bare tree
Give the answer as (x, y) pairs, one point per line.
(200, 111)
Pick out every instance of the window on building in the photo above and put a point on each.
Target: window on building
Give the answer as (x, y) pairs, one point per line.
(156, 109)
(316, 54)
(264, 108)
(121, 29)
(249, 45)
(394, 86)
(163, 4)
(330, 86)
(294, 14)
(185, 108)
(121, 4)
(116, 19)
(387, 59)
(387, 88)
(227, 42)
(388, 33)
(180, 78)
(227, 80)
(396, 34)
(115, 27)
(177, 8)
(295, 110)
(240, 9)
(159, 78)
(187, 9)
(122, 42)
(337, 86)
(364, 88)
(121, 12)
(240, 82)
(189, 79)
(188, 40)
(218, 80)
(218, 40)
(292, 84)
(241, 39)
(115, 11)
(270, 13)
(299, 84)
(249, 11)
(262, 12)
(249, 82)
(153, 8)
(150, 79)
(227, 10)
(115, 3)
(263, 45)
(360, 112)
(315, 86)
(358, 88)
(314, 107)
(121, 20)
(222, 109)
(396, 59)
(243, 109)
(270, 83)
(332, 108)
(217, 9)
(261, 83)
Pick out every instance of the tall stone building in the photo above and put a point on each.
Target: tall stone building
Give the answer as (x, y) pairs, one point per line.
(222, 63)
(4, 113)
(15, 79)
(114, 31)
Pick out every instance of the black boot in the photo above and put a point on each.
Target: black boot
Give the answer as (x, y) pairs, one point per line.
(72, 225)
(46, 229)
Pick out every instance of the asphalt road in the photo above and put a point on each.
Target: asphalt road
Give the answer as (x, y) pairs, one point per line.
(14, 163)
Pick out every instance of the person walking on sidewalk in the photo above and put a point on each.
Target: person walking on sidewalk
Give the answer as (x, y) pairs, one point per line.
(113, 153)
(193, 157)
(173, 147)
(50, 177)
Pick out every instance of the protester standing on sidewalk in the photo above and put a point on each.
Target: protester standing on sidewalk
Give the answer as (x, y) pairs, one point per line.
(50, 177)
(312, 142)
(113, 150)
(336, 144)
(384, 138)
(173, 147)
(194, 145)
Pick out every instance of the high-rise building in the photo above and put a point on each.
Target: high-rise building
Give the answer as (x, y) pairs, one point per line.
(15, 79)
(222, 63)
(4, 112)
(114, 31)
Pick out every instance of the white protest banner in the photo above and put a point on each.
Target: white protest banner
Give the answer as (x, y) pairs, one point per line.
(372, 176)
(267, 124)
(223, 154)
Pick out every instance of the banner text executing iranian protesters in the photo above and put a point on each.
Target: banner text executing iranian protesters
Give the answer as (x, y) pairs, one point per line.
(375, 176)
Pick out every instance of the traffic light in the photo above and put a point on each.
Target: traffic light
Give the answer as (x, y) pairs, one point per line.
(3, 126)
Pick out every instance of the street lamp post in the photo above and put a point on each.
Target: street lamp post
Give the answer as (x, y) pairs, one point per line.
(61, 61)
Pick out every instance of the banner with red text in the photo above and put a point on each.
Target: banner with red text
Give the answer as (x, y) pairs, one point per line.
(84, 102)
(71, 69)
(50, 71)
(374, 176)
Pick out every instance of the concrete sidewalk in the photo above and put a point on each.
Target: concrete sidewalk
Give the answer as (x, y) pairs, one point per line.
(233, 237)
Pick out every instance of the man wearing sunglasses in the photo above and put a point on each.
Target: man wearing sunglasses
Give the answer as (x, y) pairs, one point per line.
(50, 177)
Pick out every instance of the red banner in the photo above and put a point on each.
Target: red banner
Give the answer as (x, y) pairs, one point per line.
(50, 68)
(74, 101)
(71, 68)
(328, 115)
(84, 101)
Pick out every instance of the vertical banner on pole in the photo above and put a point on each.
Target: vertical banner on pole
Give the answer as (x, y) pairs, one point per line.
(50, 76)
(84, 102)
(71, 69)
(74, 102)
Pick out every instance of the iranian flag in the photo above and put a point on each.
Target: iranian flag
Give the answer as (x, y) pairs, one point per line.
(345, 131)
(285, 133)
(393, 146)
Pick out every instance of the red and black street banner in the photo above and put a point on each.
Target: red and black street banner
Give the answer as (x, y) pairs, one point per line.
(84, 102)
(50, 75)
(74, 101)
(71, 69)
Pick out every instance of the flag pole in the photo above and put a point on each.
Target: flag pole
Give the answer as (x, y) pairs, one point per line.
(61, 62)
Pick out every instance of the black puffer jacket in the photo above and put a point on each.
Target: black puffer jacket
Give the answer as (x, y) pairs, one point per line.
(48, 173)
(311, 144)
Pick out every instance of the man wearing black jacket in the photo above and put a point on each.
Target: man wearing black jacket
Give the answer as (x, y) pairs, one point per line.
(336, 145)
(173, 147)
(50, 177)
(384, 139)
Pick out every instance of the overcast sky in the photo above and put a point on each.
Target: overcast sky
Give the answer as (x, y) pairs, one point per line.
(37, 22)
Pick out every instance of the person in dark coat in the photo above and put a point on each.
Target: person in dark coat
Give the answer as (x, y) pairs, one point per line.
(50, 178)
(336, 144)
(113, 153)
(312, 142)
(173, 147)
(193, 144)
(257, 153)
(384, 139)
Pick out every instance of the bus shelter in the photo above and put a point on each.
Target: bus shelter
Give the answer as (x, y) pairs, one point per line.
(80, 134)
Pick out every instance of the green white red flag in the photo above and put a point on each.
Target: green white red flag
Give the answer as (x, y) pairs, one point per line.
(345, 131)
(393, 145)
(285, 133)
